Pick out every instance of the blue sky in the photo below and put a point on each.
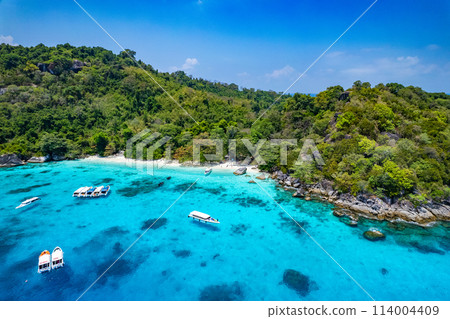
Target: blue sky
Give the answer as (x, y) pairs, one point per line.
(260, 44)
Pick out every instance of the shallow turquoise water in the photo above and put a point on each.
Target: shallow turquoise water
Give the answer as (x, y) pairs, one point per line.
(243, 258)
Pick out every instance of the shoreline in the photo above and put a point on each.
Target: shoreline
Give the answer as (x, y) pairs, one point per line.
(368, 206)
(345, 205)
(121, 159)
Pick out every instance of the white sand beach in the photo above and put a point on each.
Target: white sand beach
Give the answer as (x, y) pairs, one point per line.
(121, 159)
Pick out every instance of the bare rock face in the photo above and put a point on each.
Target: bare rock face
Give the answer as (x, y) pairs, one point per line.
(58, 158)
(52, 67)
(299, 193)
(442, 212)
(344, 96)
(240, 171)
(77, 65)
(261, 177)
(10, 160)
(369, 206)
(39, 159)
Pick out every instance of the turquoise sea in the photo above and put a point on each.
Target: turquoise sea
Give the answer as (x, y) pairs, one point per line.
(243, 258)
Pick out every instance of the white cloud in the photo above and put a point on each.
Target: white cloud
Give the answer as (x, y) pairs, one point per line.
(433, 47)
(403, 66)
(335, 54)
(189, 64)
(409, 60)
(8, 39)
(281, 72)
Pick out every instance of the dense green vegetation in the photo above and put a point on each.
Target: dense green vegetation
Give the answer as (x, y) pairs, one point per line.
(388, 140)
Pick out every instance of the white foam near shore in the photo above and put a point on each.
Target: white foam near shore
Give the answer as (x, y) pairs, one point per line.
(121, 159)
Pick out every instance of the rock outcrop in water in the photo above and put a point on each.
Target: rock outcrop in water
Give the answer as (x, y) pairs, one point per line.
(368, 206)
(10, 160)
(240, 171)
(374, 235)
(39, 159)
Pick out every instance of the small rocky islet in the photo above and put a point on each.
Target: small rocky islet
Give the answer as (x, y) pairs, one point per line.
(374, 235)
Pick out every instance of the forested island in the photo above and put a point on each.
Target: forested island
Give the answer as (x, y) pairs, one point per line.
(388, 141)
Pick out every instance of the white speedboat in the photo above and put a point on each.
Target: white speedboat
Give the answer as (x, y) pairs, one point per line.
(44, 262)
(208, 171)
(28, 202)
(202, 217)
(57, 258)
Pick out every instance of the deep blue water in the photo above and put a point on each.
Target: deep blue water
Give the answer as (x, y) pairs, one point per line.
(243, 258)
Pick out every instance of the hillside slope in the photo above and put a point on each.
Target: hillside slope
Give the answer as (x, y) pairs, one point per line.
(389, 140)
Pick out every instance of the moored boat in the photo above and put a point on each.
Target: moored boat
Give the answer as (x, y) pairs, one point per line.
(84, 191)
(195, 215)
(28, 202)
(77, 193)
(208, 171)
(57, 258)
(90, 192)
(44, 262)
(105, 191)
(97, 191)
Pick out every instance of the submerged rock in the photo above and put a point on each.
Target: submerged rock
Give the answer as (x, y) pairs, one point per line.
(384, 271)
(250, 201)
(338, 213)
(295, 280)
(426, 249)
(157, 223)
(182, 253)
(223, 292)
(347, 220)
(374, 235)
(239, 229)
(252, 181)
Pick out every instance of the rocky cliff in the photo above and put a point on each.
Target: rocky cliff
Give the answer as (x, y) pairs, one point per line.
(367, 206)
